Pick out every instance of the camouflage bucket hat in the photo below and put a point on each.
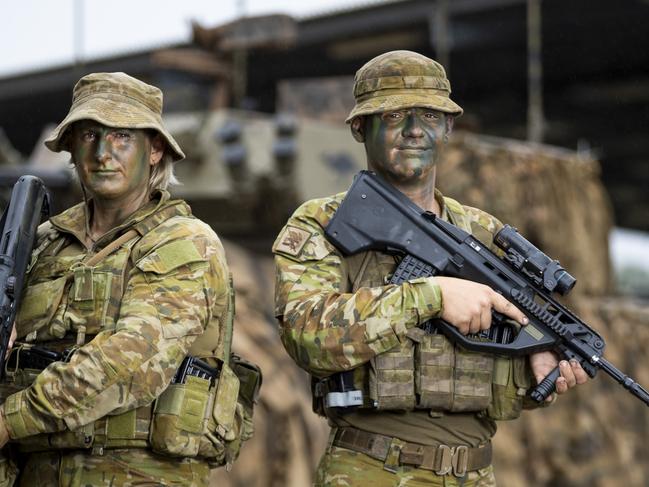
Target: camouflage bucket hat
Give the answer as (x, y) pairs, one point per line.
(115, 100)
(401, 79)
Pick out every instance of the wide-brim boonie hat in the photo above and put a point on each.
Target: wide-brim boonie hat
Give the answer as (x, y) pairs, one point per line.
(402, 79)
(115, 100)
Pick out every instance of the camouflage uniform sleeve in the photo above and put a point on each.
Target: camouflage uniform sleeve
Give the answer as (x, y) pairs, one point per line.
(326, 330)
(164, 308)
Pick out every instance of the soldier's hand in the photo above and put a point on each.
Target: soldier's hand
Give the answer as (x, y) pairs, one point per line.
(467, 305)
(572, 373)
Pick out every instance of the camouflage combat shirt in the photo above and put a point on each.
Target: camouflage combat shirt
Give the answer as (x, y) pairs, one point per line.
(327, 329)
(175, 287)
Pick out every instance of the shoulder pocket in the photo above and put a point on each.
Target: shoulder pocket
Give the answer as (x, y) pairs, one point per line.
(169, 257)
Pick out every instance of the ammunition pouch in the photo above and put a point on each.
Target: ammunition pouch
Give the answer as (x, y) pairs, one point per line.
(202, 416)
(426, 371)
(450, 378)
(392, 378)
(196, 418)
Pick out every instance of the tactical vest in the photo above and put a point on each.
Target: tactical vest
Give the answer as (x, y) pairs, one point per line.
(68, 302)
(427, 371)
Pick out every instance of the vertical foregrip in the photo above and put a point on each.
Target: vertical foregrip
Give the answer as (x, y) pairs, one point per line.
(546, 387)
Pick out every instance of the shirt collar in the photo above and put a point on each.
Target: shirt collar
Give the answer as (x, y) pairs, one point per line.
(74, 220)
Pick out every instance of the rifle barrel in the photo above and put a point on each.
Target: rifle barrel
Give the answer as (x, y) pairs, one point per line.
(627, 382)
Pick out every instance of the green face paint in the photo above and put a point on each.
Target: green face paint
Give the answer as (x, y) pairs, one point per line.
(112, 163)
(404, 146)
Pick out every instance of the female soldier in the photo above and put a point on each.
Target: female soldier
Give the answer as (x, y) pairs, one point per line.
(131, 283)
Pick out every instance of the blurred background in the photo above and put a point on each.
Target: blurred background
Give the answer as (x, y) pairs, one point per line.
(553, 140)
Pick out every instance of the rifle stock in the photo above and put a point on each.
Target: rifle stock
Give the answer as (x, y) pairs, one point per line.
(376, 216)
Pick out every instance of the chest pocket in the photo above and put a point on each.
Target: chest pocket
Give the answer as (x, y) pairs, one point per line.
(95, 293)
(45, 297)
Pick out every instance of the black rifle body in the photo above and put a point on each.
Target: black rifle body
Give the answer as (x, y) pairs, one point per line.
(376, 216)
(28, 205)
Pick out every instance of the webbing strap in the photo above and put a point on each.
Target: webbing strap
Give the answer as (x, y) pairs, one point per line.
(109, 249)
(229, 323)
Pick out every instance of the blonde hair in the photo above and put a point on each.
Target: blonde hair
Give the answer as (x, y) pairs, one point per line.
(162, 174)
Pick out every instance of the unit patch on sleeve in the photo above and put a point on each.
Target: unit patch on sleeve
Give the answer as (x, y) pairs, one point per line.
(292, 240)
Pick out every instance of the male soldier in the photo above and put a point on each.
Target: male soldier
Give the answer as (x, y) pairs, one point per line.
(429, 408)
(125, 285)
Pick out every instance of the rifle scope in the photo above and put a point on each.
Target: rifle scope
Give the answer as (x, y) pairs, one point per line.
(523, 255)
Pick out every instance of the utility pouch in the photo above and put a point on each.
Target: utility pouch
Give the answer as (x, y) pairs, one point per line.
(250, 379)
(90, 294)
(449, 378)
(511, 380)
(392, 378)
(224, 420)
(180, 417)
(472, 380)
(435, 358)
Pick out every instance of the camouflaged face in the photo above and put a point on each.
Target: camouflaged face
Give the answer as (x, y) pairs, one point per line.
(401, 79)
(176, 288)
(326, 328)
(114, 100)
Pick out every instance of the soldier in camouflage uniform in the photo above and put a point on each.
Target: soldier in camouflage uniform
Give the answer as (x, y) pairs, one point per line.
(427, 409)
(127, 283)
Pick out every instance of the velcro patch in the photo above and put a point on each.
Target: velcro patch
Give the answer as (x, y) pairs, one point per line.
(292, 240)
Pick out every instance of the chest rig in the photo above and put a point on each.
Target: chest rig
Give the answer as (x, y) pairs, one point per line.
(69, 293)
(425, 371)
(69, 299)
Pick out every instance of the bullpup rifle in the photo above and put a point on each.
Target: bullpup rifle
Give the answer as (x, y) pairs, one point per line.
(376, 216)
(28, 205)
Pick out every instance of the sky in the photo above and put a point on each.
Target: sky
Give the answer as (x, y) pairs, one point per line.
(39, 34)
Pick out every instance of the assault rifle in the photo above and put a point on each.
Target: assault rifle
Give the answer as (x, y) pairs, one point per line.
(29, 203)
(376, 216)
